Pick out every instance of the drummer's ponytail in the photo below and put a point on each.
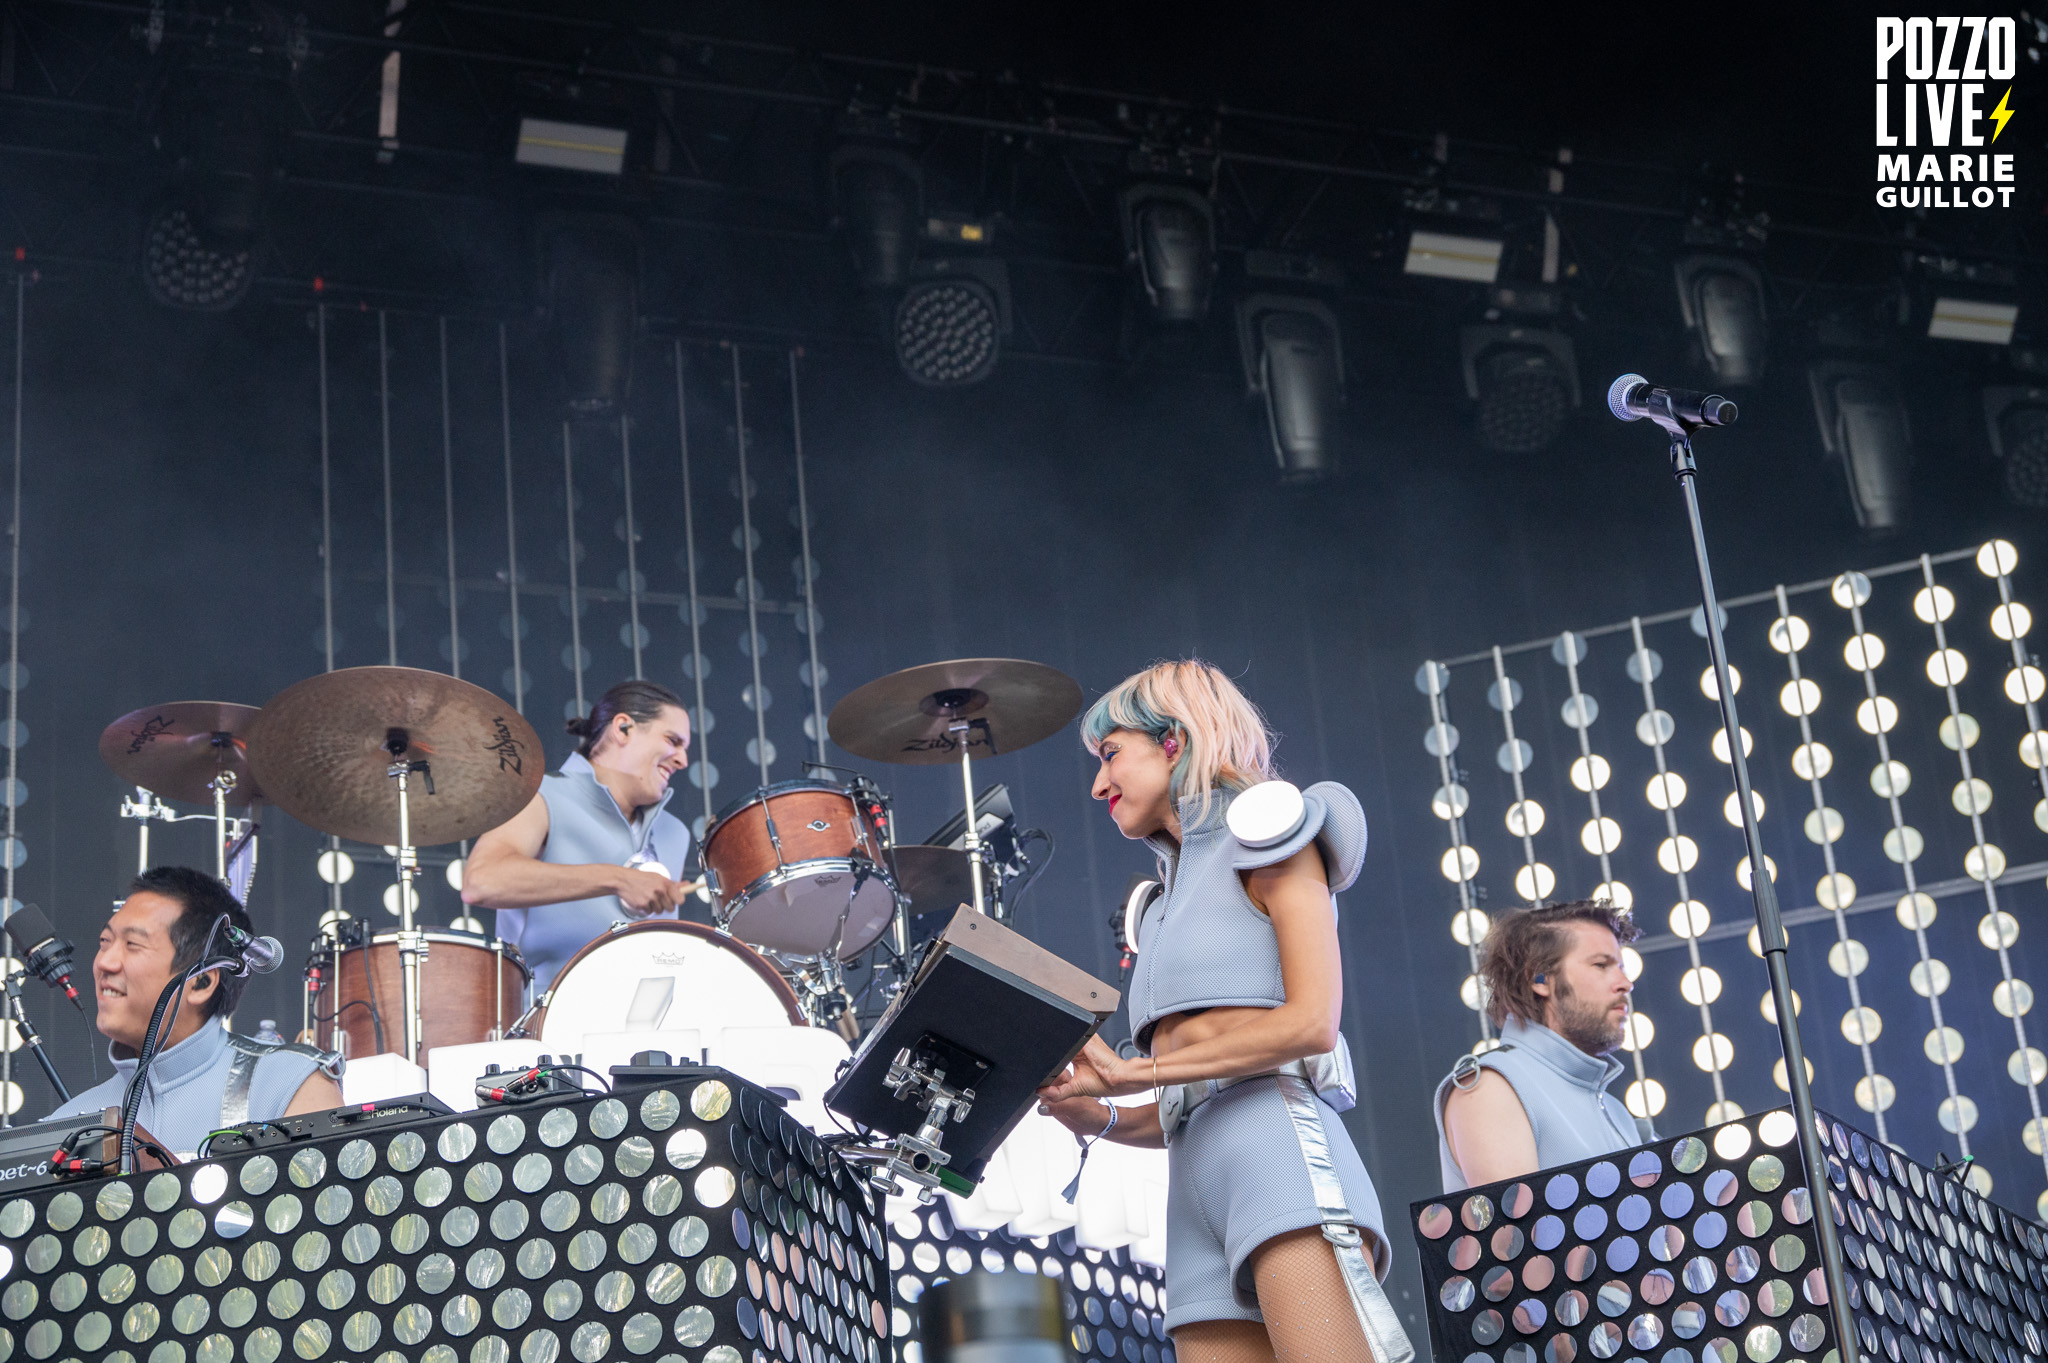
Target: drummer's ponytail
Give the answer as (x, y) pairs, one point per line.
(642, 701)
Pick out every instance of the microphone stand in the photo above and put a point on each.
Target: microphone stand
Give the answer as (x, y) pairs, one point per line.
(30, 1039)
(1764, 895)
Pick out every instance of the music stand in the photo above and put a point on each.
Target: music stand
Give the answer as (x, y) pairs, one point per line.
(987, 1017)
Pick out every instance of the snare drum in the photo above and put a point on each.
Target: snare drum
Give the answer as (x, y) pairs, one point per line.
(660, 975)
(471, 989)
(795, 869)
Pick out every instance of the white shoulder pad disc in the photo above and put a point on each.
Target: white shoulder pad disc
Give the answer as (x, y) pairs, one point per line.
(1267, 814)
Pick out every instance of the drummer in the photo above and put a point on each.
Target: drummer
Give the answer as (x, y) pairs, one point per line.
(596, 846)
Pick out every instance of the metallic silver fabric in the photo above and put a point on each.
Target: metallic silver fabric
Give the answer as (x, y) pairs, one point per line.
(1376, 1316)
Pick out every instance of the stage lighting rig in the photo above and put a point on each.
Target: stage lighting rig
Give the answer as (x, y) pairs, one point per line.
(591, 275)
(1965, 300)
(1170, 244)
(1722, 301)
(951, 321)
(878, 202)
(2016, 420)
(1293, 355)
(1525, 381)
(1864, 428)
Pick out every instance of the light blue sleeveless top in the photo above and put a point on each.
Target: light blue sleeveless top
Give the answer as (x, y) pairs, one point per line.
(188, 1082)
(585, 827)
(1563, 1090)
(1203, 943)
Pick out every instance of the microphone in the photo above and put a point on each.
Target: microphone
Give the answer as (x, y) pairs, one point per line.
(1633, 397)
(259, 954)
(45, 955)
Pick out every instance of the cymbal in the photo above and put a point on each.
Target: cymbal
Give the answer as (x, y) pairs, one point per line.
(174, 750)
(937, 879)
(903, 717)
(319, 749)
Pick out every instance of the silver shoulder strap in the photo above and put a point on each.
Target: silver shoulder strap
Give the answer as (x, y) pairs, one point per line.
(234, 1099)
(1376, 1318)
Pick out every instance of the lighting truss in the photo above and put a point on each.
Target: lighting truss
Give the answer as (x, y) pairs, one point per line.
(1902, 767)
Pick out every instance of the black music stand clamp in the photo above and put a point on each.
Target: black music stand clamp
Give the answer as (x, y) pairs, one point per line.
(915, 1076)
(987, 1018)
(1678, 423)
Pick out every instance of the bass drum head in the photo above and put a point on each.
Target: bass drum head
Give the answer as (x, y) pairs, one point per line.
(664, 976)
(815, 908)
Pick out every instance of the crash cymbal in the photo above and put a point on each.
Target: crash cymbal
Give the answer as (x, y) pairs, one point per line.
(174, 750)
(319, 750)
(937, 879)
(904, 717)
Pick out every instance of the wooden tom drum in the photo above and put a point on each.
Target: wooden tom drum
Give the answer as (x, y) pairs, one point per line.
(794, 869)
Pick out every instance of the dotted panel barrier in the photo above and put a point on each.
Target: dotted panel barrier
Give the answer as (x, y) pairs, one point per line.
(1115, 1306)
(1702, 1250)
(686, 1223)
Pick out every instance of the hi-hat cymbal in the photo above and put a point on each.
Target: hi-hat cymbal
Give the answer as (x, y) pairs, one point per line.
(320, 750)
(175, 750)
(905, 716)
(937, 879)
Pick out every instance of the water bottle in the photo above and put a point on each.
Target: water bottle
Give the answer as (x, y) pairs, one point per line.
(266, 1031)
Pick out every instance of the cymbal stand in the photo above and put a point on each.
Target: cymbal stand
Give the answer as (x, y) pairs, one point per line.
(220, 785)
(412, 943)
(964, 729)
(143, 808)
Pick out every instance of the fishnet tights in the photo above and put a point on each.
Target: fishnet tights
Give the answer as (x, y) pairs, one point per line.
(1308, 1311)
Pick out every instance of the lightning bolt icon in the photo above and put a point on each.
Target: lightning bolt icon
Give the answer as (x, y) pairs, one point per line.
(2001, 113)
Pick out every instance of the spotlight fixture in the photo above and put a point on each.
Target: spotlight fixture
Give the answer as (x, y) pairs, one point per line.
(203, 235)
(2016, 420)
(1966, 300)
(1722, 301)
(1525, 380)
(1170, 244)
(1863, 426)
(951, 321)
(1293, 357)
(878, 194)
(591, 269)
(186, 267)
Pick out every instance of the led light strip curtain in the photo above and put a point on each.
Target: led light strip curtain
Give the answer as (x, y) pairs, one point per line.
(466, 526)
(1904, 802)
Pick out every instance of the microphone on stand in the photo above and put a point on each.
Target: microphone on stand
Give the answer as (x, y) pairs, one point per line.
(259, 955)
(44, 954)
(1633, 397)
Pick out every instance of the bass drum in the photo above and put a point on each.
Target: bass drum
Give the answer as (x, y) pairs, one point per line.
(660, 975)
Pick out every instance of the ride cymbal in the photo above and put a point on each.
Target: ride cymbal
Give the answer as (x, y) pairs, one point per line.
(322, 750)
(906, 717)
(175, 750)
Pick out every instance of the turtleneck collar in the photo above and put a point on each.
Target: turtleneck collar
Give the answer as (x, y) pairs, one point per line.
(1193, 824)
(578, 769)
(193, 1056)
(1590, 1072)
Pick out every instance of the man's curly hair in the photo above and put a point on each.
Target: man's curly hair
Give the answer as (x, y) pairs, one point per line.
(1530, 942)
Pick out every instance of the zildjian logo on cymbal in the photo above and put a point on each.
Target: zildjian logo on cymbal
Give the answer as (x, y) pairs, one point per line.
(505, 746)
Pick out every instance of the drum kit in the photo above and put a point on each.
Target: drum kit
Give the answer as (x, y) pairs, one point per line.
(804, 876)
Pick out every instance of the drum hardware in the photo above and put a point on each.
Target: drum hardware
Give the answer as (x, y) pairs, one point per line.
(412, 944)
(29, 1038)
(799, 871)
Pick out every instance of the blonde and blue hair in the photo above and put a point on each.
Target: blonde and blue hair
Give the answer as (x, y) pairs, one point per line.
(1224, 741)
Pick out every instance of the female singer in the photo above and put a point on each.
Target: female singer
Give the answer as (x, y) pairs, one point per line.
(1274, 1241)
